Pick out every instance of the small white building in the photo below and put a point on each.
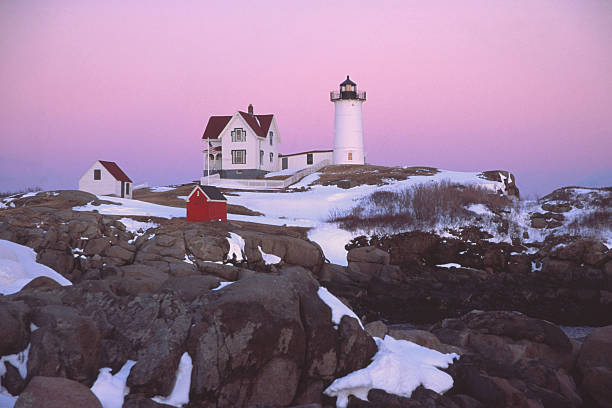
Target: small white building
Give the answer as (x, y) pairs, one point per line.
(305, 159)
(106, 178)
(243, 146)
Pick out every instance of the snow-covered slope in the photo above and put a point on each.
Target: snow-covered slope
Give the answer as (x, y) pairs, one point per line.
(18, 267)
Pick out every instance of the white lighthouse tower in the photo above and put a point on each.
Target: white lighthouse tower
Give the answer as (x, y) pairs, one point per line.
(348, 128)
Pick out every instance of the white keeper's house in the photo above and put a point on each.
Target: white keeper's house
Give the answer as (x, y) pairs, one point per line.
(106, 178)
(245, 145)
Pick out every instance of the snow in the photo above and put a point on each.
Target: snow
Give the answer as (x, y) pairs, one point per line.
(187, 260)
(269, 259)
(111, 389)
(338, 308)
(236, 243)
(180, 392)
(126, 206)
(31, 194)
(135, 227)
(160, 189)
(306, 181)
(20, 362)
(18, 267)
(479, 209)
(398, 367)
(332, 240)
(286, 172)
(449, 265)
(223, 284)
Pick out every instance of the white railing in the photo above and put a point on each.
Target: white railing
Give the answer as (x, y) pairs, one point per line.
(215, 179)
(306, 172)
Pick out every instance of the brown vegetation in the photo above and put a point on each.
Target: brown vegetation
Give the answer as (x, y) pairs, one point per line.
(369, 174)
(418, 207)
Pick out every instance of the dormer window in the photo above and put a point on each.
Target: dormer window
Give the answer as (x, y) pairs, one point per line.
(238, 135)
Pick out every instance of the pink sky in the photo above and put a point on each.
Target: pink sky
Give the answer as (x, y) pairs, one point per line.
(523, 85)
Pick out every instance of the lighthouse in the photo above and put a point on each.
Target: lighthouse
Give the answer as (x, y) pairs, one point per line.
(348, 127)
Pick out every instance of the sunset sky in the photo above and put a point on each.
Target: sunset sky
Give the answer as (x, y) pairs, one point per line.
(522, 85)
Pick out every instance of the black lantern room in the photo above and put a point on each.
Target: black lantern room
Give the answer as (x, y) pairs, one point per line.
(348, 90)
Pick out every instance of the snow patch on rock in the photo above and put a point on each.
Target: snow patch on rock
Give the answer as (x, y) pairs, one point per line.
(111, 389)
(18, 267)
(179, 395)
(269, 259)
(236, 243)
(338, 308)
(398, 368)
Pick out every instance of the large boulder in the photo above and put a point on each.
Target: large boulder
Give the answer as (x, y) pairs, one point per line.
(66, 345)
(595, 365)
(511, 360)
(268, 340)
(14, 318)
(54, 392)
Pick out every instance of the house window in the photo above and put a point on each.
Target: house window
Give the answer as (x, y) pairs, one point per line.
(238, 135)
(211, 157)
(309, 158)
(238, 156)
(127, 188)
(271, 137)
(261, 157)
(285, 163)
(97, 174)
(350, 155)
(271, 157)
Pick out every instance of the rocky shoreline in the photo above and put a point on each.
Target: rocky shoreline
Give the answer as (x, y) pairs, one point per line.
(268, 340)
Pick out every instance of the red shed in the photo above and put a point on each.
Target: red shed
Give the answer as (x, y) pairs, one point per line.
(206, 203)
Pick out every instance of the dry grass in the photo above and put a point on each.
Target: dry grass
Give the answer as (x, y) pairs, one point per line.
(369, 174)
(4, 194)
(420, 207)
(599, 220)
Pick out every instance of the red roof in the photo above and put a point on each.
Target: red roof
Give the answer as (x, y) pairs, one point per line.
(115, 170)
(215, 125)
(259, 123)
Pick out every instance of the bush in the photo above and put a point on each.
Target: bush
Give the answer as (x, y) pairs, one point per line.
(599, 220)
(419, 207)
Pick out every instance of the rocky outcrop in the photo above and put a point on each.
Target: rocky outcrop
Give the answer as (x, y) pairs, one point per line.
(266, 340)
(428, 278)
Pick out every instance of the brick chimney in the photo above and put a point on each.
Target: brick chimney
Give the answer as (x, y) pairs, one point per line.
(251, 109)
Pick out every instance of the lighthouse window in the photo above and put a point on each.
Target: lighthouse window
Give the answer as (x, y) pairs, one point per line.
(309, 158)
(350, 155)
(238, 135)
(271, 157)
(271, 137)
(238, 156)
